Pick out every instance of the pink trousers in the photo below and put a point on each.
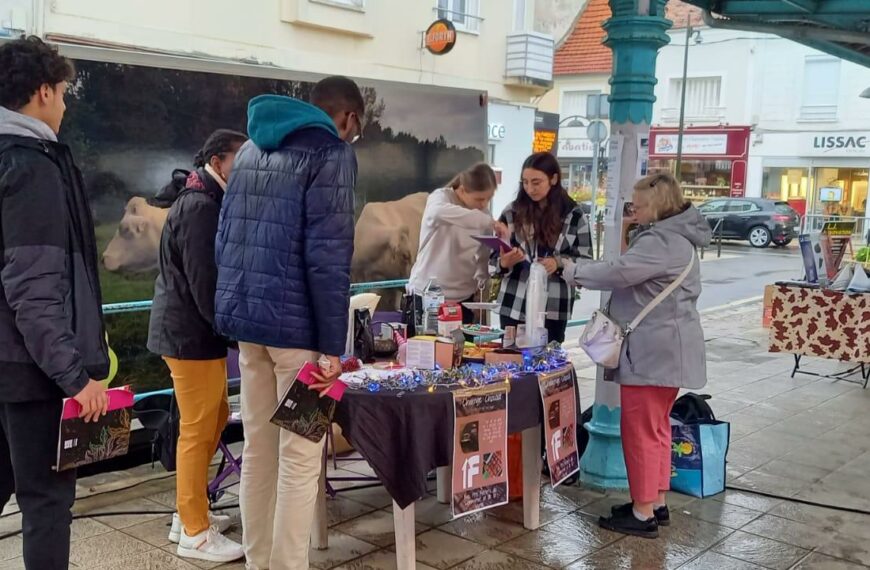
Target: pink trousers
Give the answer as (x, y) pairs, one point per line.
(646, 439)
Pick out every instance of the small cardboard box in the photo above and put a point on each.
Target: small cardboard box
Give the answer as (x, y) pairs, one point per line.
(503, 355)
(767, 315)
(425, 352)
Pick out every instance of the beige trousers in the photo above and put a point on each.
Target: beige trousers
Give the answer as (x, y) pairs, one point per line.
(280, 470)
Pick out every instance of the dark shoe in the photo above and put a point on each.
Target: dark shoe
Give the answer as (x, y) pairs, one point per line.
(627, 523)
(662, 514)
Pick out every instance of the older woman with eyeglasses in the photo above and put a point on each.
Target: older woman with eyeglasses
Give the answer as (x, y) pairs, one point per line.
(665, 352)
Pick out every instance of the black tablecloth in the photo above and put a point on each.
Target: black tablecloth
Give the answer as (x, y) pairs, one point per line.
(405, 437)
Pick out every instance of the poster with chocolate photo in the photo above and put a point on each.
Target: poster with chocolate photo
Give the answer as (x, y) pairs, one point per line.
(559, 397)
(480, 449)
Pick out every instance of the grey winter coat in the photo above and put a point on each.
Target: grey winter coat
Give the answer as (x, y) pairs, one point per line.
(667, 348)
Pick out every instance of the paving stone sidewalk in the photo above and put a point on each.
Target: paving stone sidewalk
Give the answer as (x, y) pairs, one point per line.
(805, 438)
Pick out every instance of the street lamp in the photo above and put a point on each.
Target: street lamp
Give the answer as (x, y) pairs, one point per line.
(689, 31)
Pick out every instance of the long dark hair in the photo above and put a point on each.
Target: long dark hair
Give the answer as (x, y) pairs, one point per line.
(476, 178)
(218, 143)
(546, 223)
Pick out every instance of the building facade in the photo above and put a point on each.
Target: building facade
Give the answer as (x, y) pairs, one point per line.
(581, 70)
(808, 127)
(496, 49)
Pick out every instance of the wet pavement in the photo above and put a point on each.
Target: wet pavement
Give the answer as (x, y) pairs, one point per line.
(805, 438)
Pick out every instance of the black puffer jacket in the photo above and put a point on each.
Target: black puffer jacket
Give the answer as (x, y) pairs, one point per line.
(182, 316)
(52, 338)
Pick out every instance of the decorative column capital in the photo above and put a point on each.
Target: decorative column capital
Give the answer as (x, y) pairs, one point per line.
(635, 40)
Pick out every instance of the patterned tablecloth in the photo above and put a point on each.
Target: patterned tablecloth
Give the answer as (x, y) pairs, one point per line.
(816, 322)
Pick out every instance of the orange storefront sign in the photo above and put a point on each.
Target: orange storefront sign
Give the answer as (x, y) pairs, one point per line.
(440, 37)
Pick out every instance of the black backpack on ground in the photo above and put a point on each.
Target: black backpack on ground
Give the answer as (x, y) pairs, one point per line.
(690, 408)
(159, 414)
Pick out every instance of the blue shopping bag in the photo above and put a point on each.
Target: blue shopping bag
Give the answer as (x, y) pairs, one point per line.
(698, 453)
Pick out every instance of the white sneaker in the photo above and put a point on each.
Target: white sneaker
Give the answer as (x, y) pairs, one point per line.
(209, 545)
(222, 522)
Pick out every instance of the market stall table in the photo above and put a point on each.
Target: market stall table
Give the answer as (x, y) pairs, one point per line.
(405, 435)
(808, 321)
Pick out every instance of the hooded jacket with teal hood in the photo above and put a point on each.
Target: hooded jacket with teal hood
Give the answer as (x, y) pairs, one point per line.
(285, 237)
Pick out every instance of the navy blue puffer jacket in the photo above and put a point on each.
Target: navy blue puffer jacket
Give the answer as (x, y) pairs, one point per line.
(285, 236)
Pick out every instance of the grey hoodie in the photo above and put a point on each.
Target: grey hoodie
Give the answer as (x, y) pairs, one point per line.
(667, 348)
(18, 124)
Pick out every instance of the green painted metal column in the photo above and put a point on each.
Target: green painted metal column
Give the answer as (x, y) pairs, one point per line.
(635, 33)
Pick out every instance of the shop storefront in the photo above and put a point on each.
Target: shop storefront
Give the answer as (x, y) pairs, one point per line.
(714, 162)
(575, 156)
(820, 174)
(510, 134)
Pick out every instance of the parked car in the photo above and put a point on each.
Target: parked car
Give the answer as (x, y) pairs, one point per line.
(757, 220)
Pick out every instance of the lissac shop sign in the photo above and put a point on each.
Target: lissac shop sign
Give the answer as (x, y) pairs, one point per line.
(841, 144)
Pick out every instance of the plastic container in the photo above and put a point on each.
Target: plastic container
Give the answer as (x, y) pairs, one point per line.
(433, 298)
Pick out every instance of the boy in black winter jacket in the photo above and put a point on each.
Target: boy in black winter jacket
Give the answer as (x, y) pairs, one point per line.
(52, 341)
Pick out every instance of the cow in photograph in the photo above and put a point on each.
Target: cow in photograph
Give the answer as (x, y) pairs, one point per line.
(134, 247)
(386, 240)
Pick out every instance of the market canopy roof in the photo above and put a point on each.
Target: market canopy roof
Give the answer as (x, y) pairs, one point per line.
(837, 27)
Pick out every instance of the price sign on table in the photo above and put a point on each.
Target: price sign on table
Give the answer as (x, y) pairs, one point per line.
(559, 397)
(480, 479)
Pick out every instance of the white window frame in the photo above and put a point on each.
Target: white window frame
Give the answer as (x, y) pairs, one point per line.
(816, 112)
(581, 112)
(354, 5)
(520, 7)
(706, 114)
(471, 19)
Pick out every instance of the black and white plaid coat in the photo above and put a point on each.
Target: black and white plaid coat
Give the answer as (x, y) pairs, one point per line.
(574, 242)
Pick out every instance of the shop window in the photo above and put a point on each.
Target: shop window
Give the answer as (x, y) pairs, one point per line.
(465, 14)
(702, 97)
(787, 184)
(704, 179)
(851, 201)
(354, 4)
(821, 89)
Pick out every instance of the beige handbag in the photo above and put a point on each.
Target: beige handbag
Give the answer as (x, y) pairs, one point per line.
(602, 338)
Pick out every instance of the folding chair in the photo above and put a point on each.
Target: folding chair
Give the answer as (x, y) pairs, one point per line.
(230, 464)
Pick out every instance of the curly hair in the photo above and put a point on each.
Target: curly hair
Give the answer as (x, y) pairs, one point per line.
(25, 66)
